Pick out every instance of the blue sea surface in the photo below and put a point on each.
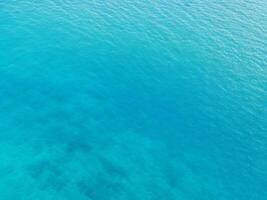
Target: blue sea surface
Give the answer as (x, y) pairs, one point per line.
(133, 100)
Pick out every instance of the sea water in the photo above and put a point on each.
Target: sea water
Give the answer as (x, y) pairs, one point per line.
(133, 100)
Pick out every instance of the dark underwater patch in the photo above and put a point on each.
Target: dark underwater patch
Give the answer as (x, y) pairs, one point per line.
(48, 175)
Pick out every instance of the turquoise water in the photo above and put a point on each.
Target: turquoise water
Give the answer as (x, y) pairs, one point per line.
(133, 100)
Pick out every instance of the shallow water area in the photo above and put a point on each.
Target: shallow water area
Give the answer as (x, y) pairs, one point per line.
(133, 100)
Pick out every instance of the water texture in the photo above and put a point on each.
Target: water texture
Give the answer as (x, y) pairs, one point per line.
(133, 100)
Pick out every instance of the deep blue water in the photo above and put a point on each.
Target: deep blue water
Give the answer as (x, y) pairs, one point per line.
(133, 100)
